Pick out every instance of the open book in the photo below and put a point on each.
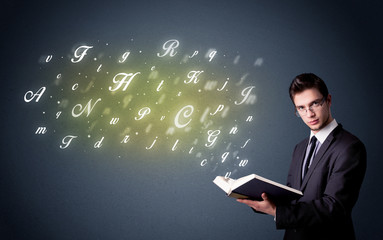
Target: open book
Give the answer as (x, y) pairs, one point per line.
(252, 187)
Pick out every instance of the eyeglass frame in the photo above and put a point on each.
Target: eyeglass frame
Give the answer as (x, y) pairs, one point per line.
(320, 104)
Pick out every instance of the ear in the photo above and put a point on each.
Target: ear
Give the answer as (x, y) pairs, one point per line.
(329, 100)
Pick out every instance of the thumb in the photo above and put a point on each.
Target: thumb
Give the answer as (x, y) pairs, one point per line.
(264, 196)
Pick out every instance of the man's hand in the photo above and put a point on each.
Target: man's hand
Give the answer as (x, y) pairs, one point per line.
(265, 206)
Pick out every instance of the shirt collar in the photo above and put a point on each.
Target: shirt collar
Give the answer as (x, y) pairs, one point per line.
(323, 133)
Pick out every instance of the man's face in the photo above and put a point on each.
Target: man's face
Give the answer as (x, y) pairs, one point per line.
(321, 116)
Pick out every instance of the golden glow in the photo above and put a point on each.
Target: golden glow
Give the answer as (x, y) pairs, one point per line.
(181, 102)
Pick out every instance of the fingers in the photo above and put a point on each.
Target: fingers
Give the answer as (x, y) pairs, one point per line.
(245, 201)
(265, 206)
(249, 203)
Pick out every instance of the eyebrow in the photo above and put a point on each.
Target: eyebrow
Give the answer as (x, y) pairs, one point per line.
(311, 103)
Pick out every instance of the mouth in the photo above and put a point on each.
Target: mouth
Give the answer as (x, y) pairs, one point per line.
(313, 122)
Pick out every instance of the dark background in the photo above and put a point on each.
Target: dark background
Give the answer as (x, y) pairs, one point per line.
(50, 194)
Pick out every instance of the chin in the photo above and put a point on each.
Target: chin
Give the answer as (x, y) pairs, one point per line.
(316, 129)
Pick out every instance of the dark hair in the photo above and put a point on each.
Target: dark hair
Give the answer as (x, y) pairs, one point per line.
(307, 81)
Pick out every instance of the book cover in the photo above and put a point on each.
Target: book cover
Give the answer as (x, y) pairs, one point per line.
(252, 187)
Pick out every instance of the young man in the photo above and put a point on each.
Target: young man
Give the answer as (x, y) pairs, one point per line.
(328, 167)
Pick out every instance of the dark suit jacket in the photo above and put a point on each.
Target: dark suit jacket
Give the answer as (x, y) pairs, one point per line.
(330, 189)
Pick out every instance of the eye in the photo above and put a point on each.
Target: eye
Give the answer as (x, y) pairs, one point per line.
(315, 104)
(300, 108)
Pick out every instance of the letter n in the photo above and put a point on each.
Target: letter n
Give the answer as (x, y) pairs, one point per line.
(234, 130)
(88, 108)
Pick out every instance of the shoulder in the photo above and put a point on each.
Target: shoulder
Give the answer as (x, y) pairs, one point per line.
(347, 146)
(344, 137)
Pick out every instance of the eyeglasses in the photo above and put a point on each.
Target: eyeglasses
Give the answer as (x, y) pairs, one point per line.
(302, 111)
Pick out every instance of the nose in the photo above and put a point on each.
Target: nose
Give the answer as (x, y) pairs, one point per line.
(310, 113)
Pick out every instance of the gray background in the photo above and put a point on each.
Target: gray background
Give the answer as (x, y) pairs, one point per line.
(51, 194)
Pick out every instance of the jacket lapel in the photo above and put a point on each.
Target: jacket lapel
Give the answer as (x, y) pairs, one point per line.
(318, 157)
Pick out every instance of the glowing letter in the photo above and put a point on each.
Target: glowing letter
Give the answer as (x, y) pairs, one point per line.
(193, 76)
(227, 175)
(58, 114)
(160, 86)
(126, 139)
(99, 68)
(203, 162)
(234, 130)
(39, 93)
(49, 58)
(122, 81)
(124, 57)
(41, 130)
(152, 143)
(224, 156)
(80, 53)
(75, 86)
(98, 144)
(175, 145)
(142, 113)
(244, 145)
(211, 55)
(191, 150)
(67, 140)
(195, 53)
(219, 108)
(243, 162)
(224, 85)
(169, 47)
(212, 137)
(88, 107)
(245, 93)
(114, 121)
(187, 112)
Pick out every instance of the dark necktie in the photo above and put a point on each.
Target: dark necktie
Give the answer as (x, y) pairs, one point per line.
(311, 152)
